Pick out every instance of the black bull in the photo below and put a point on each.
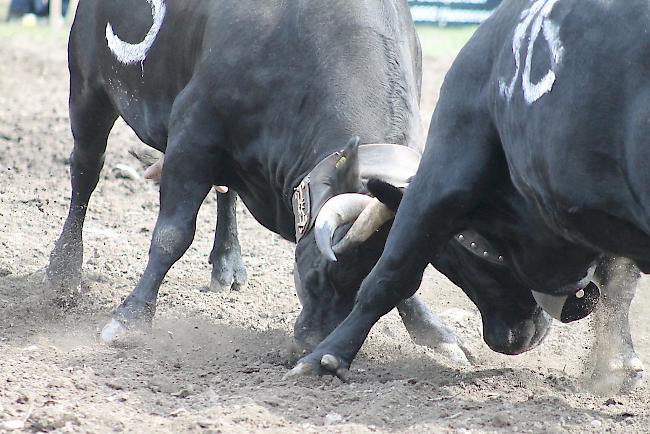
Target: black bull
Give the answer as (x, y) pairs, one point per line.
(539, 141)
(251, 95)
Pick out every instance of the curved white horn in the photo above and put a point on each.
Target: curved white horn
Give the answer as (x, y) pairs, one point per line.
(340, 209)
(155, 170)
(370, 219)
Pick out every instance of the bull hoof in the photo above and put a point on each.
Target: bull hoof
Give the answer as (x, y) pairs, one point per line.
(121, 333)
(112, 331)
(636, 365)
(449, 345)
(65, 285)
(459, 355)
(327, 365)
(131, 316)
(228, 274)
(617, 377)
(63, 273)
(302, 370)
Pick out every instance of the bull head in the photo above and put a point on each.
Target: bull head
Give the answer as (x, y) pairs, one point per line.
(583, 296)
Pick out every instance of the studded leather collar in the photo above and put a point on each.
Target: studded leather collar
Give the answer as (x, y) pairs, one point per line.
(479, 246)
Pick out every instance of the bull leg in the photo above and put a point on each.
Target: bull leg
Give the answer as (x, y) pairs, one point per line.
(91, 119)
(188, 176)
(616, 367)
(427, 329)
(458, 168)
(228, 270)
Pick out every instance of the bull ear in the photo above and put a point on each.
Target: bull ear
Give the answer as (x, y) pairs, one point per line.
(387, 194)
(346, 177)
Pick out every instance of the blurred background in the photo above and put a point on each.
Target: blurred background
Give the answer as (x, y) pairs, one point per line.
(442, 13)
(449, 22)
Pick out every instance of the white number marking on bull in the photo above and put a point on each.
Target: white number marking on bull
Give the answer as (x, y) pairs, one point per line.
(128, 53)
(534, 20)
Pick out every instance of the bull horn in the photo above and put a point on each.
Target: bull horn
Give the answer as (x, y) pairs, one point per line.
(370, 219)
(340, 209)
(154, 171)
(569, 308)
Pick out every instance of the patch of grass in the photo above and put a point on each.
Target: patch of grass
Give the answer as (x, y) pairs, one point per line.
(443, 41)
(38, 33)
(436, 41)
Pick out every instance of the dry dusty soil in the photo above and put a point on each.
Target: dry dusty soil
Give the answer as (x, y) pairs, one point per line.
(215, 362)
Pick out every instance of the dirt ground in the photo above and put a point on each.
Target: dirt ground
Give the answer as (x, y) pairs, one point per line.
(215, 362)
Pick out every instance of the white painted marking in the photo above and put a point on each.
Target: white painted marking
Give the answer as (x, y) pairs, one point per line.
(534, 21)
(128, 53)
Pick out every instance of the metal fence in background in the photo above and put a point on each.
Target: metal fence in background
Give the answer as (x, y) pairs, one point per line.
(440, 12)
(443, 12)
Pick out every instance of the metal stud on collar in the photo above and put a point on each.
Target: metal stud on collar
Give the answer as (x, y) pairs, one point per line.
(479, 246)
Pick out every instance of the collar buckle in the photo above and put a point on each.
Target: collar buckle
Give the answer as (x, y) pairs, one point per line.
(301, 208)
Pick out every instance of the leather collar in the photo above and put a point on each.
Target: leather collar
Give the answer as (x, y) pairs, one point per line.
(479, 246)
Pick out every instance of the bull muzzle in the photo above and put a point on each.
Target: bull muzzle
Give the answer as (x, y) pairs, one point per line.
(572, 307)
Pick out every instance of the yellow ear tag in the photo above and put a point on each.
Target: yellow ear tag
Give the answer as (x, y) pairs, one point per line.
(341, 162)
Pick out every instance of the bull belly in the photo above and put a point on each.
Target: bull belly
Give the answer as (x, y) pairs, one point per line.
(148, 123)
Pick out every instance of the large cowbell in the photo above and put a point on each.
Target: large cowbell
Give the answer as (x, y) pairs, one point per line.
(572, 307)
